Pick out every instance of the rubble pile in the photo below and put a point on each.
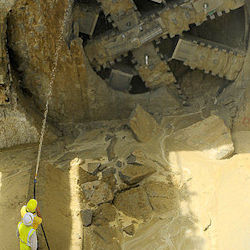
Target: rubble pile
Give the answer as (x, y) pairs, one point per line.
(127, 184)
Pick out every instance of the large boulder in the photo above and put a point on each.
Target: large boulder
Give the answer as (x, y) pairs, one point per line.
(210, 136)
(134, 203)
(97, 192)
(102, 237)
(85, 177)
(143, 125)
(134, 173)
(104, 214)
(162, 196)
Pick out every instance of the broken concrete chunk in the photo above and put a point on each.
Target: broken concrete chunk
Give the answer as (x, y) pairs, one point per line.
(131, 159)
(134, 203)
(143, 125)
(139, 155)
(104, 214)
(130, 230)
(160, 189)
(135, 173)
(111, 149)
(86, 217)
(106, 167)
(91, 167)
(108, 176)
(102, 237)
(97, 192)
(163, 197)
(64, 161)
(85, 177)
(108, 172)
(210, 136)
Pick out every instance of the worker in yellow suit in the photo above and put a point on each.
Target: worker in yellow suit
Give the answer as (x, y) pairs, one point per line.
(31, 207)
(26, 233)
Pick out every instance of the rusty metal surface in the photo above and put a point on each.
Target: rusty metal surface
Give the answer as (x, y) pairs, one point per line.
(151, 68)
(211, 57)
(122, 13)
(120, 79)
(157, 72)
(172, 21)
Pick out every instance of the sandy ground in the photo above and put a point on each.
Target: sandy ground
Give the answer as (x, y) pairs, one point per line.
(214, 205)
(219, 204)
(220, 197)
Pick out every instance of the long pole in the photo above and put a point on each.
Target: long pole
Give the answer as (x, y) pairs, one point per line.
(44, 233)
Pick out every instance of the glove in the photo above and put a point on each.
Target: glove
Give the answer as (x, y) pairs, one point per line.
(38, 212)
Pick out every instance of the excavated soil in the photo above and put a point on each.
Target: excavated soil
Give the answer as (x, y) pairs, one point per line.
(188, 202)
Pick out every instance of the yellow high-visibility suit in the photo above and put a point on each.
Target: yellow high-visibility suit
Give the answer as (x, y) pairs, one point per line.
(27, 237)
(37, 220)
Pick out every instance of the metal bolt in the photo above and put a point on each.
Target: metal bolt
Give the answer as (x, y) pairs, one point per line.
(146, 59)
(205, 6)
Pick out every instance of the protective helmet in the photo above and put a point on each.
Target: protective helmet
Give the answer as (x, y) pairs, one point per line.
(31, 205)
(28, 219)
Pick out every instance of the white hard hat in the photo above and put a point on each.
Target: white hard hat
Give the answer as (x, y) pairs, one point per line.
(28, 219)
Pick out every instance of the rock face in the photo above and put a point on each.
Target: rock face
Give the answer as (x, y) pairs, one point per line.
(7, 4)
(39, 34)
(211, 136)
(143, 125)
(134, 203)
(16, 129)
(134, 173)
(97, 192)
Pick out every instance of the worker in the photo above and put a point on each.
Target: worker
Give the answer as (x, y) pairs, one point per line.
(26, 233)
(31, 207)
